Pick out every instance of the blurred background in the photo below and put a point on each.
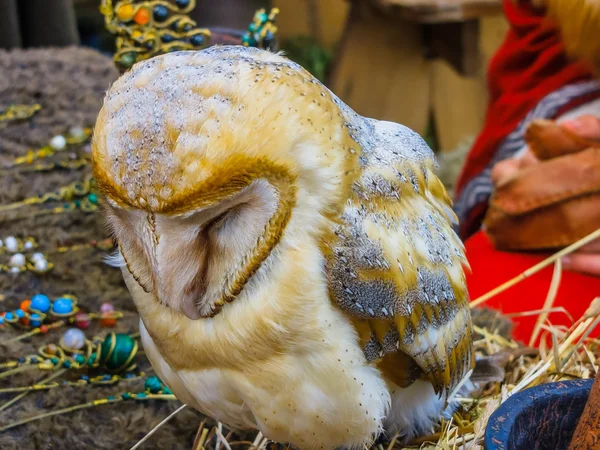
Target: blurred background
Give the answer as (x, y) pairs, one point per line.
(418, 62)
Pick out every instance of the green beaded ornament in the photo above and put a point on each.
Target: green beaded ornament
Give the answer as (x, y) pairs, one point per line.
(117, 351)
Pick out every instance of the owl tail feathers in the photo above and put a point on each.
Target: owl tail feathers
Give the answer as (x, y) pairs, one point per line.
(579, 24)
(489, 369)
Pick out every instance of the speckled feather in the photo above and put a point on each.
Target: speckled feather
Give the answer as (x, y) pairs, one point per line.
(349, 288)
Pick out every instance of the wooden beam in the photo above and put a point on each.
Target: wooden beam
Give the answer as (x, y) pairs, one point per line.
(380, 69)
(440, 11)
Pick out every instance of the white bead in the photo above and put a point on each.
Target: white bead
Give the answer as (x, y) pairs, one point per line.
(41, 265)
(1, 243)
(37, 256)
(28, 245)
(73, 338)
(12, 245)
(15, 270)
(17, 260)
(77, 132)
(58, 142)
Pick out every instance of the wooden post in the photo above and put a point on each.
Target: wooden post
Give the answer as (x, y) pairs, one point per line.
(587, 433)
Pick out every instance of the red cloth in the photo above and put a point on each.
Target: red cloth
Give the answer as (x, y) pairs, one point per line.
(530, 64)
(491, 268)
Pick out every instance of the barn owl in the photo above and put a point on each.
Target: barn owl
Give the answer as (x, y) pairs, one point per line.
(293, 263)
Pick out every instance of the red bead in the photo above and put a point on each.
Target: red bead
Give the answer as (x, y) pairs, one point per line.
(82, 320)
(44, 329)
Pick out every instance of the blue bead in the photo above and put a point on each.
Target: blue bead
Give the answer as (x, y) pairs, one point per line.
(106, 377)
(9, 316)
(40, 302)
(85, 378)
(1, 320)
(182, 3)
(129, 375)
(160, 13)
(35, 320)
(111, 397)
(62, 305)
(34, 360)
(21, 360)
(197, 40)
(20, 313)
(166, 38)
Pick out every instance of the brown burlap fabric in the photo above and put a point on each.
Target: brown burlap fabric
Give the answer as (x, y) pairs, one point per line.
(69, 84)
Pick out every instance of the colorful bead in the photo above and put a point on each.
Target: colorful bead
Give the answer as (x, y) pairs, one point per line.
(12, 245)
(142, 395)
(153, 384)
(41, 265)
(82, 320)
(1, 320)
(77, 132)
(73, 338)
(20, 313)
(160, 13)
(142, 16)
(67, 364)
(126, 396)
(40, 302)
(84, 378)
(54, 360)
(37, 257)
(51, 349)
(9, 316)
(93, 198)
(92, 359)
(58, 142)
(62, 305)
(25, 304)
(197, 40)
(17, 260)
(107, 309)
(182, 3)
(28, 245)
(79, 359)
(118, 350)
(125, 12)
(35, 320)
(44, 329)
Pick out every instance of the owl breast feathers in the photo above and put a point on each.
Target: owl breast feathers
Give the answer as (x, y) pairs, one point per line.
(269, 230)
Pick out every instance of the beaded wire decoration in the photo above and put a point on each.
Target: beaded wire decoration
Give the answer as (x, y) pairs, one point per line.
(19, 112)
(59, 143)
(262, 31)
(81, 196)
(154, 389)
(149, 28)
(18, 261)
(41, 315)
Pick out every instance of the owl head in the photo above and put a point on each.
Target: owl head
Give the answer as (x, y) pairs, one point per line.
(210, 162)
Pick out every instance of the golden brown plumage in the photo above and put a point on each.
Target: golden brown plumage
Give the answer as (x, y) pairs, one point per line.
(294, 263)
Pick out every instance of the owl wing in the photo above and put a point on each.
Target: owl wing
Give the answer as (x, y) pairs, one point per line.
(396, 265)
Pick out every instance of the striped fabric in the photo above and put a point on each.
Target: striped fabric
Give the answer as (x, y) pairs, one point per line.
(478, 190)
